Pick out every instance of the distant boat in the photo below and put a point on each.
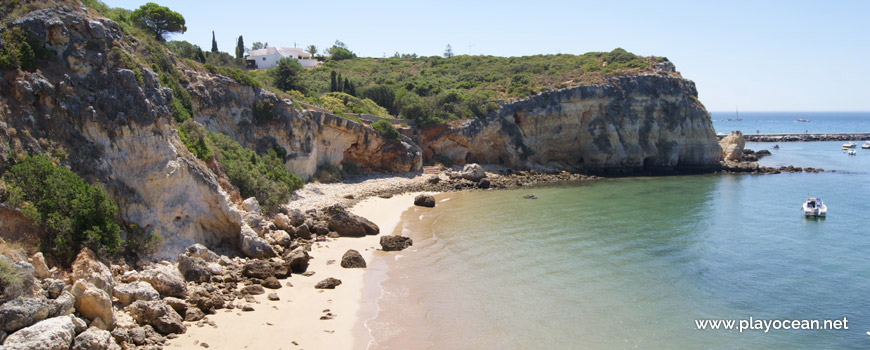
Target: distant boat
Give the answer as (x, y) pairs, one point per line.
(852, 152)
(803, 120)
(849, 144)
(866, 145)
(736, 116)
(775, 146)
(814, 207)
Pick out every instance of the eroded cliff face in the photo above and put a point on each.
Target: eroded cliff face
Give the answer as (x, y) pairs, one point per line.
(626, 125)
(311, 138)
(114, 127)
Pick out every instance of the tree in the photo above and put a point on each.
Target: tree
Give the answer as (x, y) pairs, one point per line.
(339, 51)
(311, 49)
(159, 20)
(285, 75)
(448, 52)
(258, 45)
(240, 48)
(333, 85)
(214, 47)
(338, 84)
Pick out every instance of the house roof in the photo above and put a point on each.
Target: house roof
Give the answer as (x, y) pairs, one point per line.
(283, 51)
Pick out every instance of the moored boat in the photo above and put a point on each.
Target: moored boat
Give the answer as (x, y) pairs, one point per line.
(866, 145)
(849, 144)
(814, 207)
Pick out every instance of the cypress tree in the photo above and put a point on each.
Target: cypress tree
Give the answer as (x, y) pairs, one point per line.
(332, 84)
(213, 43)
(346, 88)
(338, 87)
(240, 47)
(200, 56)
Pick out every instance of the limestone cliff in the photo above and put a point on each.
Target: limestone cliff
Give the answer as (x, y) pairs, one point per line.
(625, 125)
(111, 123)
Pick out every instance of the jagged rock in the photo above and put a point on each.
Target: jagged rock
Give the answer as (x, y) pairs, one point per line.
(280, 237)
(484, 184)
(63, 305)
(120, 335)
(88, 268)
(424, 200)
(128, 293)
(93, 303)
(166, 279)
(79, 324)
(273, 297)
(253, 246)
(303, 232)
(251, 204)
(254, 220)
(732, 146)
(157, 314)
(297, 217)
(352, 259)
(297, 260)
(472, 172)
(40, 268)
(23, 312)
(200, 251)
(95, 339)
(281, 270)
(206, 301)
(253, 290)
(193, 315)
(3, 336)
(272, 283)
(393, 243)
(53, 286)
(329, 283)
(194, 269)
(320, 229)
(52, 334)
(26, 288)
(344, 223)
(433, 179)
(180, 306)
(283, 221)
(762, 153)
(258, 269)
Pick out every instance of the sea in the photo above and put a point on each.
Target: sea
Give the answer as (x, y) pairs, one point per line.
(638, 262)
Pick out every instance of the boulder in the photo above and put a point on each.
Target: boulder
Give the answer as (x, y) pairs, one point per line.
(433, 179)
(352, 259)
(472, 172)
(252, 245)
(484, 184)
(180, 306)
(53, 286)
(280, 237)
(762, 153)
(40, 268)
(424, 200)
(344, 223)
(157, 314)
(88, 268)
(166, 279)
(258, 269)
(297, 260)
(329, 283)
(52, 334)
(320, 229)
(271, 283)
(255, 289)
(93, 303)
(193, 315)
(732, 146)
(200, 251)
(394, 243)
(297, 217)
(64, 304)
(251, 204)
(95, 339)
(282, 221)
(23, 312)
(26, 288)
(303, 232)
(194, 269)
(128, 293)
(206, 301)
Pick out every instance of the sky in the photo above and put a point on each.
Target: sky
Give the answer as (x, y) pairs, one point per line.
(755, 55)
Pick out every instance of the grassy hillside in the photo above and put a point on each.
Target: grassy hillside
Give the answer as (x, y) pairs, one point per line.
(435, 89)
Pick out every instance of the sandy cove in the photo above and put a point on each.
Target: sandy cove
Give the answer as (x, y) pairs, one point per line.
(296, 316)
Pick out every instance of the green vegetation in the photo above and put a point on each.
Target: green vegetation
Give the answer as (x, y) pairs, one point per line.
(285, 75)
(386, 130)
(327, 173)
(236, 74)
(344, 103)
(186, 50)
(262, 110)
(158, 20)
(195, 139)
(20, 51)
(9, 276)
(262, 177)
(72, 213)
(139, 242)
(339, 52)
(240, 48)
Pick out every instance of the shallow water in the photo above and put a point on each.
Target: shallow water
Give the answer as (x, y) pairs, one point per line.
(632, 262)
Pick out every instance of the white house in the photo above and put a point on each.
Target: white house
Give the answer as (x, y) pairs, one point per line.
(268, 57)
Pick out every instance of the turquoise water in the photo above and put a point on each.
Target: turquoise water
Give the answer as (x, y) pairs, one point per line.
(631, 263)
(786, 122)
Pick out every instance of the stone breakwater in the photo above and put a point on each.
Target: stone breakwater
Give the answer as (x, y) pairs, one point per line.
(804, 137)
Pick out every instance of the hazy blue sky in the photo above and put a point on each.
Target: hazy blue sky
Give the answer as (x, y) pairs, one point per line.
(758, 55)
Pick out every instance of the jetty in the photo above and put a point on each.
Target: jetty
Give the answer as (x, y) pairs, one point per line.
(797, 137)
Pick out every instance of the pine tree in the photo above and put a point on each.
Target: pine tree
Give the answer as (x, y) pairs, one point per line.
(214, 47)
(333, 86)
(240, 48)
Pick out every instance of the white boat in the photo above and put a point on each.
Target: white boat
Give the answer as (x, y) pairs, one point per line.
(852, 152)
(814, 207)
(849, 144)
(866, 145)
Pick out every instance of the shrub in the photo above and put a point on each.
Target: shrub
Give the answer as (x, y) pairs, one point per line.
(9, 276)
(236, 74)
(285, 75)
(139, 242)
(327, 173)
(194, 137)
(386, 130)
(72, 212)
(262, 110)
(262, 177)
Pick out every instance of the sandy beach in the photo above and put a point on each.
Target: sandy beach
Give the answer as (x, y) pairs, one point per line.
(294, 321)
